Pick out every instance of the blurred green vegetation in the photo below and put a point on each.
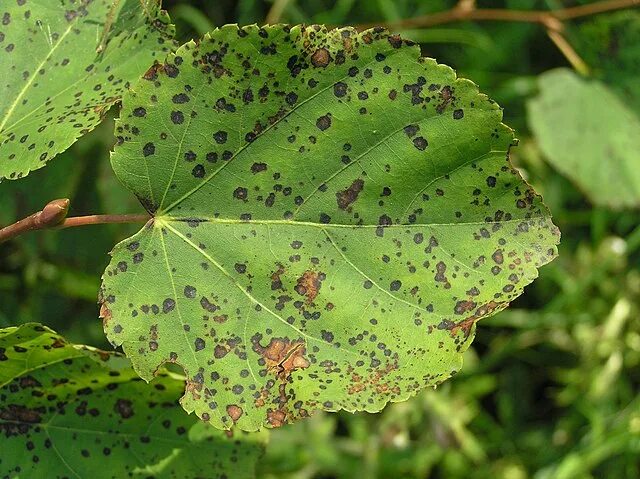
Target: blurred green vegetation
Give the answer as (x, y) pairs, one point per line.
(550, 387)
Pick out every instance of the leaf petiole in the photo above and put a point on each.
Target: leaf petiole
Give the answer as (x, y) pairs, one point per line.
(54, 215)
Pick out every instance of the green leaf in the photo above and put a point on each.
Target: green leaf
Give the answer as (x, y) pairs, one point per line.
(332, 215)
(73, 411)
(64, 64)
(590, 136)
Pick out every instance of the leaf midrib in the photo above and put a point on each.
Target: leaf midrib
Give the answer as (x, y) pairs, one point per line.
(76, 353)
(246, 293)
(332, 240)
(28, 84)
(48, 426)
(28, 369)
(104, 58)
(176, 219)
(323, 228)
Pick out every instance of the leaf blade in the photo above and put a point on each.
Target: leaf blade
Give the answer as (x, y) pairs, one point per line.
(66, 417)
(58, 86)
(326, 217)
(590, 136)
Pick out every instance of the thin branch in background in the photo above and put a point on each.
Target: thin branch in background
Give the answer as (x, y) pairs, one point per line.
(463, 12)
(54, 215)
(276, 11)
(568, 51)
(594, 8)
(466, 10)
(466, 5)
(555, 28)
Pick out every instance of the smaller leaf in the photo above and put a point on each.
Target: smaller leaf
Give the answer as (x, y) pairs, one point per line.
(66, 409)
(64, 65)
(590, 136)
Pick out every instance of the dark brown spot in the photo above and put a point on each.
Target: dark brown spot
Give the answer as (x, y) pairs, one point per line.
(258, 167)
(348, 196)
(464, 306)
(420, 143)
(324, 122)
(124, 408)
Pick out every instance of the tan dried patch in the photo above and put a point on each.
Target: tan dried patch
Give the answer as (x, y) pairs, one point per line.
(102, 109)
(446, 97)
(276, 417)
(485, 310)
(356, 388)
(347, 44)
(283, 356)
(152, 73)
(309, 285)
(375, 381)
(234, 411)
(320, 58)
(58, 343)
(105, 315)
(264, 394)
(193, 387)
(464, 307)
(104, 356)
(276, 281)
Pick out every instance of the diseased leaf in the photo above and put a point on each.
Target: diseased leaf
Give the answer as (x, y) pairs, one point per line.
(64, 64)
(590, 136)
(332, 215)
(73, 411)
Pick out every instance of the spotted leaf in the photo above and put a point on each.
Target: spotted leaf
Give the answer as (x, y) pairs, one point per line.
(73, 411)
(64, 63)
(331, 215)
(590, 136)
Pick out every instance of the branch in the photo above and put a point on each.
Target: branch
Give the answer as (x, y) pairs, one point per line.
(276, 11)
(54, 215)
(567, 50)
(466, 11)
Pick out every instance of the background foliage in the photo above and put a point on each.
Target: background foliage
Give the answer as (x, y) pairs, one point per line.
(549, 387)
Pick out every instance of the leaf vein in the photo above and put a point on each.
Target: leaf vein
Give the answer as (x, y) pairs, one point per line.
(246, 145)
